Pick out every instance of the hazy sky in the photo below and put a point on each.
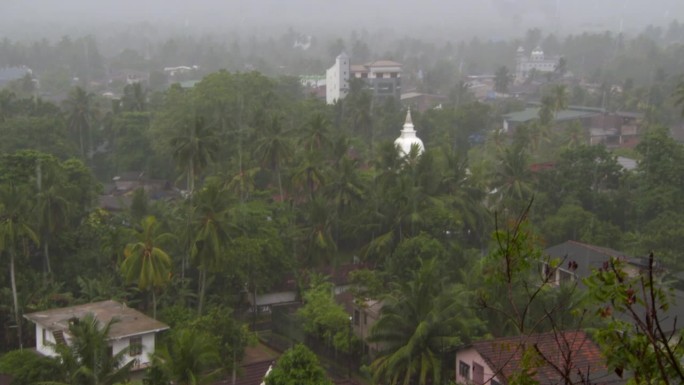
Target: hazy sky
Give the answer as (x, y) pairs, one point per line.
(484, 17)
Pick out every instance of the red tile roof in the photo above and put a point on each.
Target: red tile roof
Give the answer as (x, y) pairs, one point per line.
(570, 349)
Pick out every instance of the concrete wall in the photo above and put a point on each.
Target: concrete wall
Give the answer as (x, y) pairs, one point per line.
(470, 357)
(46, 346)
(145, 357)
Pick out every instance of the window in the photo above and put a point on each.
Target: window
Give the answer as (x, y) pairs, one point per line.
(44, 336)
(135, 346)
(357, 317)
(463, 370)
(365, 318)
(495, 382)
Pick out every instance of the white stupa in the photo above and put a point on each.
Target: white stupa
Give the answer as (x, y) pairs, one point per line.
(408, 138)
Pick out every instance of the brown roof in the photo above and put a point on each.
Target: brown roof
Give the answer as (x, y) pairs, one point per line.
(503, 355)
(129, 321)
(252, 374)
(5, 379)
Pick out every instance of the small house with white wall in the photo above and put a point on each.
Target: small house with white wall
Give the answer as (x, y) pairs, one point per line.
(556, 357)
(131, 329)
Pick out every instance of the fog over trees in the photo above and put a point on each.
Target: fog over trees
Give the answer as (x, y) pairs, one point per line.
(379, 192)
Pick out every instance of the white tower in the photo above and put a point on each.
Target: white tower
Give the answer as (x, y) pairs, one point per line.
(408, 138)
(337, 79)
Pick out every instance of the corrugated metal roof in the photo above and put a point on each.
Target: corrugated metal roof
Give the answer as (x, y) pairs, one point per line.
(532, 113)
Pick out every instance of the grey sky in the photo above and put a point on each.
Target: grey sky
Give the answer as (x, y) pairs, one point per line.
(482, 17)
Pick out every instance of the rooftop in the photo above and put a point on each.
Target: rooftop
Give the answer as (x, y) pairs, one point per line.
(129, 321)
(505, 355)
(532, 113)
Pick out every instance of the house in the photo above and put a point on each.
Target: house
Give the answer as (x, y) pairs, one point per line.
(494, 362)
(131, 329)
(612, 129)
(585, 258)
(119, 194)
(364, 317)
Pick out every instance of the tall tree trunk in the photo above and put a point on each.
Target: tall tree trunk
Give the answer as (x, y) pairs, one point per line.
(154, 304)
(203, 286)
(280, 184)
(17, 318)
(46, 254)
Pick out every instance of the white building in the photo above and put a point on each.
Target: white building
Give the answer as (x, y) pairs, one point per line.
(408, 138)
(132, 329)
(535, 61)
(382, 77)
(337, 79)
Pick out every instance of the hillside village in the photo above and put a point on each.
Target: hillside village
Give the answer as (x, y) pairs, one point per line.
(352, 211)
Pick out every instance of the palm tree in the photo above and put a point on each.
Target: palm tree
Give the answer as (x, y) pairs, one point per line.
(512, 178)
(210, 230)
(52, 208)
(194, 150)
(420, 321)
(80, 114)
(189, 357)
(15, 234)
(315, 135)
(145, 262)
(87, 359)
(559, 93)
(273, 149)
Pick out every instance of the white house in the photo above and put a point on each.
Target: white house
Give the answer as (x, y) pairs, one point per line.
(132, 329)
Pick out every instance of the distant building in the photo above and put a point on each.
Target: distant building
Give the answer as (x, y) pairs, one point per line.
(612, 129)
(132, 329)
(337, 79)
(535, 61)
(10, 74)
(383, 78)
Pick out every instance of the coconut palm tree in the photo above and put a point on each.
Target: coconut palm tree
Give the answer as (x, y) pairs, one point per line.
(87, 359)
(502, 79)
(189, 357)
(420, 321)
(194, 150)
(145, 262)
(274, 149)
(15, 234)
(81, 115)
(210, 229)
(52, 208)
(679, 95)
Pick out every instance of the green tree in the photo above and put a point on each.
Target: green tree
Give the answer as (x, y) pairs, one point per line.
(297, 366)
(502, 79)
(190, 357)
(274, 149)
(194, 150)
(420, 321)
(81, 115)
(322, 317)
(145, 262)
(87, 359)
(210, 229)
(26, 367)
(15, 236)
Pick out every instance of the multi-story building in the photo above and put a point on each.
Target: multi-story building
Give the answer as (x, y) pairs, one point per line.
(383, 78)
(535, 61)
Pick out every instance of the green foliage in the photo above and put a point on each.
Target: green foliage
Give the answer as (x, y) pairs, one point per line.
(26, 367)
(637, 336)
(323, 317)
(190, 357)
(421, 320)
(87, 358)
(230, 336)
(296, 366)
